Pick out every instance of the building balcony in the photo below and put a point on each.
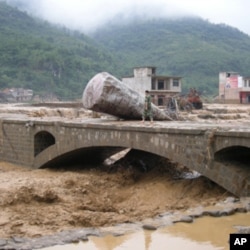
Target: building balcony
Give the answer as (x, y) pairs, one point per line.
(244, 89)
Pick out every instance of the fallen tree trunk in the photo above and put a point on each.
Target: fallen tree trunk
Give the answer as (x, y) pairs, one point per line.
(105, 93)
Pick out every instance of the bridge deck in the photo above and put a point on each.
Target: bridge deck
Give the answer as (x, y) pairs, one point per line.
(231, 128)
(209, 124)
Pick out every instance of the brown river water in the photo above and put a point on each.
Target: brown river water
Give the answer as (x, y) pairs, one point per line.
(206, 233)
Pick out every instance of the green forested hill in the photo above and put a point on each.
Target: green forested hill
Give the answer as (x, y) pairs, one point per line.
(190, 47)
(47, 59)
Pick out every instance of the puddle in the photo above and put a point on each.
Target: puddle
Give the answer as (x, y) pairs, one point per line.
(206, 233)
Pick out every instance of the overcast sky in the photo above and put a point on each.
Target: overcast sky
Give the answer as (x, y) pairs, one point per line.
(87, 14)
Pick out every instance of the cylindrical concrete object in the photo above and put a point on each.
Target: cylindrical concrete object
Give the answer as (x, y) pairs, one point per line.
(105, 93)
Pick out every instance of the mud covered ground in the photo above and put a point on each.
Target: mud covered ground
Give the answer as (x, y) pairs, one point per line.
(46, 201)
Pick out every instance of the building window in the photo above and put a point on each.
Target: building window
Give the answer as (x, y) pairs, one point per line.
(152, 85)
(175, 83)
(246, 83)
(160, 101)
(160, 84)
(248, 98)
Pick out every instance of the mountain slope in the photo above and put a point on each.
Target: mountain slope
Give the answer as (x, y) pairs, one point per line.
(190, 47)
(45, 58)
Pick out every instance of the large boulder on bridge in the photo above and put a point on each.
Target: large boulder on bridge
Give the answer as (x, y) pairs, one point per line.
(106, 94)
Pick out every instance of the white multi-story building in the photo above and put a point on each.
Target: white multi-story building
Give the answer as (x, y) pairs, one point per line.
(160, 87)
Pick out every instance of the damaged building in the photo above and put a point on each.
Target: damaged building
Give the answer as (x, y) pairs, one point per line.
(16, 95)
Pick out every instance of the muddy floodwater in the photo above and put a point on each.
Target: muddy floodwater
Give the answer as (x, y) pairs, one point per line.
(207, 233)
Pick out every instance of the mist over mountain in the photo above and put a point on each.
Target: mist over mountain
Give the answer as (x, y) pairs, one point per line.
(86, 16)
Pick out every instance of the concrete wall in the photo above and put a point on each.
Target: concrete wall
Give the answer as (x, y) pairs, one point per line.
(139, 83)
(16, 144)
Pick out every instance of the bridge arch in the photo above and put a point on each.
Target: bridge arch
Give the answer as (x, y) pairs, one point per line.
(42, 141)
(240, 154)
(84, 155)
(223, 141)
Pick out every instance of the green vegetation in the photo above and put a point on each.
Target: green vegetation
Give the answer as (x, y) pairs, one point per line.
(47, 59)
(190, 47)
(55, 60)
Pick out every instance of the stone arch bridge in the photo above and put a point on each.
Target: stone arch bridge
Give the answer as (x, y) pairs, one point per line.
(220, 154)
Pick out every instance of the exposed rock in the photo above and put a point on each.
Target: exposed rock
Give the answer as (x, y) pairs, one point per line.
(149, 227)
(231, 200)
(213, 213)
(197, 215)
(227, 211)
(243, 230)
(241, 210)
(186, 219)
(3, 242)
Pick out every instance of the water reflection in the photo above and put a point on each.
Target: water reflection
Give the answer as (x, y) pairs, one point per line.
(206, 233)
(210, 229)
(140, 241)
(147, 240)
(135, 240)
